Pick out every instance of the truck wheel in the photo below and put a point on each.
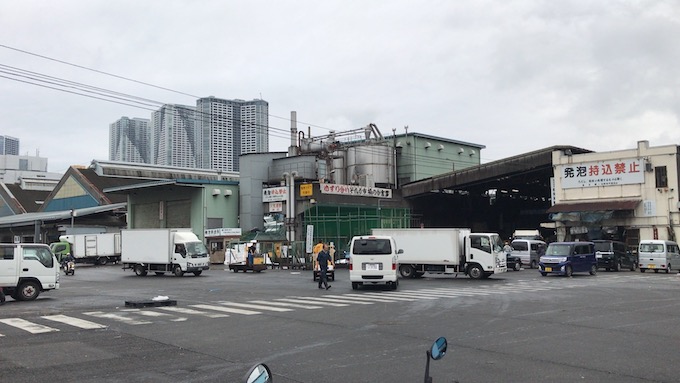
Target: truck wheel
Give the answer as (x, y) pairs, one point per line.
(140, 271)
(642, 270)
(593, 270)
(198, 272)
(355, 285)
(102, 261)
(407, 271)
(568, 271)
(518, 266)
(28, 291)
(177, 270)
(543, 274)
(617, 266)
(475, 272)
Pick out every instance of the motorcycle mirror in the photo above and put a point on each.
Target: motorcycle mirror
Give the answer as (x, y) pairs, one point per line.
(260, 373)
(438, 348)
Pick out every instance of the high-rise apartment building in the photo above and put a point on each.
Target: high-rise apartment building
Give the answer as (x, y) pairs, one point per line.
(9, 145)
(174, 139)
(229, 128)
(130, 140)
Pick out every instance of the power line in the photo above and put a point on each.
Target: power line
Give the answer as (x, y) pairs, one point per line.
(103, 94)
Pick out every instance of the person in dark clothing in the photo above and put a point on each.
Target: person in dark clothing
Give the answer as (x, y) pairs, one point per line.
(323, 258)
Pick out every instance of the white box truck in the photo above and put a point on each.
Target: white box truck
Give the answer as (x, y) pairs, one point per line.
(447, 251)
(99, 249)
(160, 251)
(27, 269)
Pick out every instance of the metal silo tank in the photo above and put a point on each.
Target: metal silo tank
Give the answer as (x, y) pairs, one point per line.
(373, 162)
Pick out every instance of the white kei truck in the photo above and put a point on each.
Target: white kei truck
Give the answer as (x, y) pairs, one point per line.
(447, 251)
(161, 251)
(98, 249)
(27, 269)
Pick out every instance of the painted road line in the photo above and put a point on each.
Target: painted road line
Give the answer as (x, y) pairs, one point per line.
(285, 304)
(390, 296)
(337, 299)
(184, 310)
(225, 309)
(76, 322)
(256, 307)
(311, 302)
(117, 317)
(363, 297)
(25, 325)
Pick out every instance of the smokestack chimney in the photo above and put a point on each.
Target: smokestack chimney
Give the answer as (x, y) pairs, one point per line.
(293, 149)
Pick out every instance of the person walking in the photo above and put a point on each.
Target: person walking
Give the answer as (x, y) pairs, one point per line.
(323, 258)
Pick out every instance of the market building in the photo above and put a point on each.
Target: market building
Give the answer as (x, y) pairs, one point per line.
(626, 195)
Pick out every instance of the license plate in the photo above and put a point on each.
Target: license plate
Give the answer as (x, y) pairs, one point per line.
(372, 266)
(650, 266)
(548, 269)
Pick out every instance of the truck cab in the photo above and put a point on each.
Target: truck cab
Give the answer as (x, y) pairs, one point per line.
(27, 269)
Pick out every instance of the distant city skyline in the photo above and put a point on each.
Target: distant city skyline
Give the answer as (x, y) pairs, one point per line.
(211, 135)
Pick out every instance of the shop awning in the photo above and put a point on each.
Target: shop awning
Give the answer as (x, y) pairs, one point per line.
(594, 206)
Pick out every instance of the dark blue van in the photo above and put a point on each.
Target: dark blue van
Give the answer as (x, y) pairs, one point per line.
(565, 258)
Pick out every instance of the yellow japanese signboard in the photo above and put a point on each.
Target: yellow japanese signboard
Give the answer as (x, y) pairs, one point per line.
(305, 190)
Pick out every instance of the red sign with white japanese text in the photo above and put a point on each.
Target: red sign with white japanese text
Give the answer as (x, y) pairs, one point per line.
(356, 190)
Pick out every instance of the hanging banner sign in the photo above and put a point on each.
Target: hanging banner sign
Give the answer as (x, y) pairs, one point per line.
(275, 207)
(355, 190)
(603, 173)
(275, 194)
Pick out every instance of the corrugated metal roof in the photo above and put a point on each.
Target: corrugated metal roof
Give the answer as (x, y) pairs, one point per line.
(594, 206)
(29, 218)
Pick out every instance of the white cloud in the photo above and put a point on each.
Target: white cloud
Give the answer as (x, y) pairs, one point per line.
(599, 75)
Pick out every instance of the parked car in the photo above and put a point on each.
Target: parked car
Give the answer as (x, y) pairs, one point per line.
(659, 255)
(612, 255)
(529, 250)
(513, 262)
(565, 258)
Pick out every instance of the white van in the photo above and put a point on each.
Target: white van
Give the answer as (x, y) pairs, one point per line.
(26, 269)
(656, 254)
(529, 251)
(373, 260)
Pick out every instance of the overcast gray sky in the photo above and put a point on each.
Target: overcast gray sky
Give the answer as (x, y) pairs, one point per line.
(515, 76)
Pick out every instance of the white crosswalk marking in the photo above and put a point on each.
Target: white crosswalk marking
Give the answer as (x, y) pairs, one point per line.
(155, 314)
(360, 297)
(391, 296)
(336, 299)
(284, 304)
(76, 322)
(226, 309)
(256, 307)
(116, 317)
(184, 310)
(311, 302)
(408, 294)
(25, 325)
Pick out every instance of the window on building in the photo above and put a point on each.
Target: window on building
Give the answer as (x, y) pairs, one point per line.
(661, 177)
